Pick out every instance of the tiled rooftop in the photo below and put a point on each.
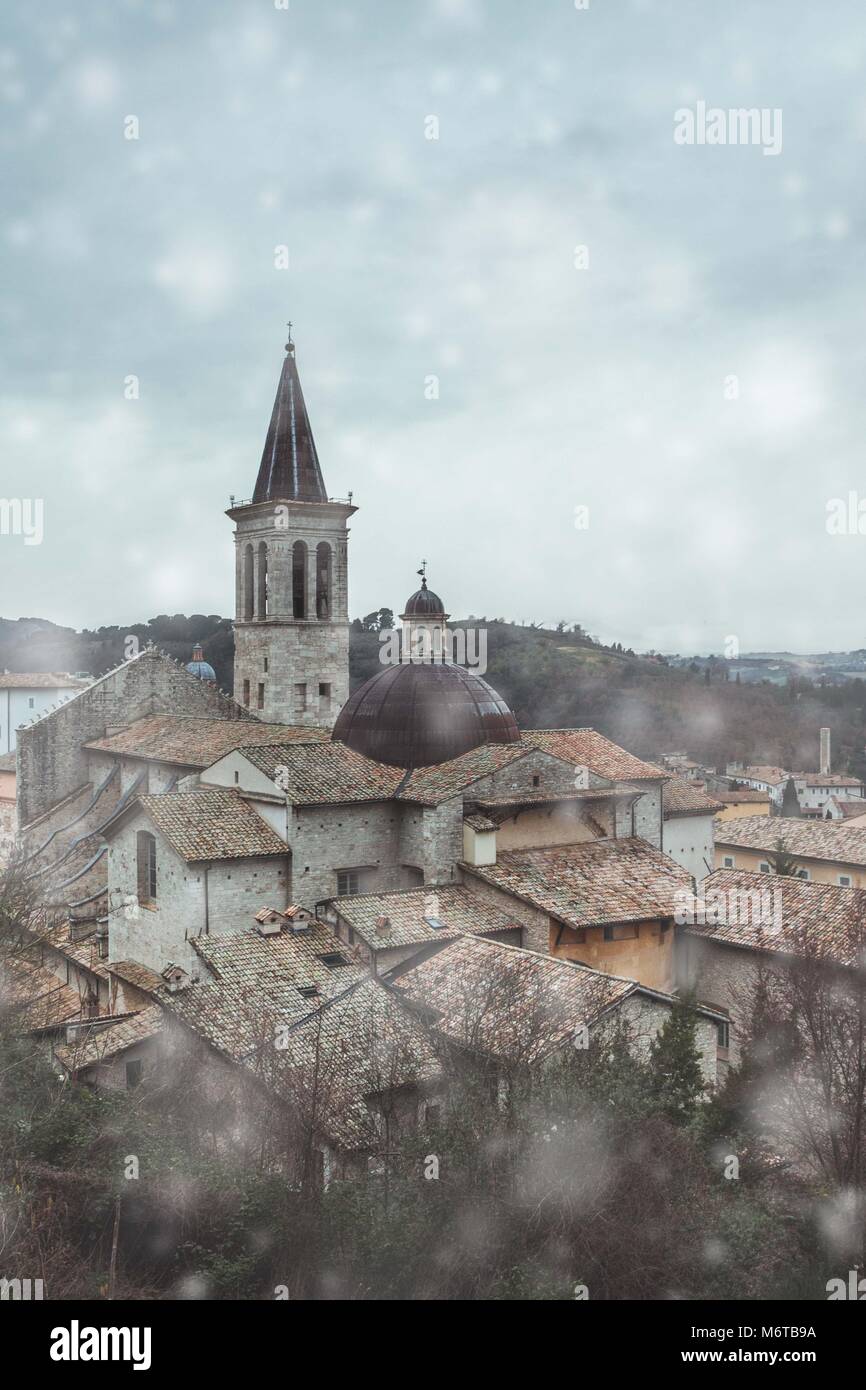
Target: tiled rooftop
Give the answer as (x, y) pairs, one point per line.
(35, 996)
(318, 773)
(583, 885)
(456, 907)
(192, 742)
(39, 680)
(212, 824)
(824, 840)
(587, 748)
(813, 918)
(683, 799)
(282, 964)
(101, 1044)
(507, 1002)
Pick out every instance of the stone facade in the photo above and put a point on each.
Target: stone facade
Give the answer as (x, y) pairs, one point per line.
(52, 759)
(292, 610)
(192, 899)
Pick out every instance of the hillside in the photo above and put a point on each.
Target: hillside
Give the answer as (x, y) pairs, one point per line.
(550, 679)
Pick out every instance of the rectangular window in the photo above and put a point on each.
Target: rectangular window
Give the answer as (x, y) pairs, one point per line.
(724, 1030)
(30, 703)
(265, 666)
(802, 873)
(324, 696)
(844, 880)
(728, 861)
(348, 882)
(260, 700)
(335, 960)
(133, 1074)
(246, 692)
(763, 867)
(300, 698)
(621, 931)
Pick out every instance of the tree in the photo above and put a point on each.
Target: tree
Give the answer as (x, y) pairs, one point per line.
(790, 799)
(783, 863)
(677, 1081)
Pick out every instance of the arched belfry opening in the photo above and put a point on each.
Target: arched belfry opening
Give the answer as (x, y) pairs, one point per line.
(248, 583)
(262, 596)
(323, 580)
(299, 580)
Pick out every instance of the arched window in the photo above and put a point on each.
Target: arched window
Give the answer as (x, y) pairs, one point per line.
(323, 580)
(262, 596)
(145, 846)
(299, 579)
(248, 584)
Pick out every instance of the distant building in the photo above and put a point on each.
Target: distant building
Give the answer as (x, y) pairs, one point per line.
(743, 802)
(824, 851)
(26, 695)
(761, 778)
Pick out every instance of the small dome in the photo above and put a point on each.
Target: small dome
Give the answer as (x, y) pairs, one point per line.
(419, 713)
(199, 667)
(424, 603)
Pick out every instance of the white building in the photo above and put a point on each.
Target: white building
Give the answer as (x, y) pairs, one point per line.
(689, 827)
(25, 695)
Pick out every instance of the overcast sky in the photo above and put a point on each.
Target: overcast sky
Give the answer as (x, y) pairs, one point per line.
(605, 386)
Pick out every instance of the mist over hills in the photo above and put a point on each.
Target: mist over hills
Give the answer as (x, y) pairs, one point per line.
(552, 678)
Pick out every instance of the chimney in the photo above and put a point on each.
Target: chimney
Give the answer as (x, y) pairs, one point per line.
(825, 751)
(383, 926)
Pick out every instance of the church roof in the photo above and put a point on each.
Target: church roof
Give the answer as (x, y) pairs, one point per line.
(424, 603)
(289, 470)
(419, 713)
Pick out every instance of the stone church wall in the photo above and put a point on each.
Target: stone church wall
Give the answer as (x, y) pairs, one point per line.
(51, 758)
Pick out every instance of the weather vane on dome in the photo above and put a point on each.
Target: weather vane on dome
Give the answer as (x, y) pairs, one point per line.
(423, 573)
(290, 346)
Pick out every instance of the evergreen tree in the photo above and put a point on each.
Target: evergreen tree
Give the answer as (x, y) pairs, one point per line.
(790, 799)
(677, 1081)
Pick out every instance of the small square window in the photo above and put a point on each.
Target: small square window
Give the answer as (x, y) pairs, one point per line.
(334, 960)
(763, 867)
(728, 861)
(348, 882)
(844, 880)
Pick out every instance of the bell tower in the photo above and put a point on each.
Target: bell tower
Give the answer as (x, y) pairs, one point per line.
(291, 575)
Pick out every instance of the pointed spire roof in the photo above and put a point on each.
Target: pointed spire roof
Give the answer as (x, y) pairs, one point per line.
(289, 468)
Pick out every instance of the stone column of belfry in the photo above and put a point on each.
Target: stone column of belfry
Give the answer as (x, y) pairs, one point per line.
(291, 557)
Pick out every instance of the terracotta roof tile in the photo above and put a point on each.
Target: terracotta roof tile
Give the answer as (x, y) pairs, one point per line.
(40, 680)
(583, 885)
(682, 799)
(824, 840)
(795, 916)
(192, 742)
(318, 773)
(211, 824)
(409, 914)
(101, 1043)
(507, 1002)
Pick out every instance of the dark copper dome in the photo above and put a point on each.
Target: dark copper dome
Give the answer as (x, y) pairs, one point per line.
(418, 713)
(424, 603)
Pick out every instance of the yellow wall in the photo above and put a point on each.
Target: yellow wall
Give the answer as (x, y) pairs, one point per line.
(539, 826)
(744, 808)
(647, 958)
(820, 870)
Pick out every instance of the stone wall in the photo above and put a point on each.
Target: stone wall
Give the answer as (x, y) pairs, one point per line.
(191, 899)
(51, 759)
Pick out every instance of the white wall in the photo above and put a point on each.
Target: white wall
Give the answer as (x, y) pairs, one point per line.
(22, 704)
(689, 840)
